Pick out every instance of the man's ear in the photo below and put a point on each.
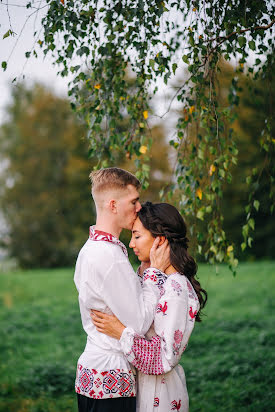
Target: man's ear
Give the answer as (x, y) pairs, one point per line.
(161, 240)
(113, 206)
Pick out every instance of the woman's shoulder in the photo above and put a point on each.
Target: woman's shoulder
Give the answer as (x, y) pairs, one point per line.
(179, 284)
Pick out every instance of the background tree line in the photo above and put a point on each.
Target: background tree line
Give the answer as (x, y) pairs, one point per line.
(45, 190)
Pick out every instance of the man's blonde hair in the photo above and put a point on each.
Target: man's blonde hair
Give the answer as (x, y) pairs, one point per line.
(112, 178)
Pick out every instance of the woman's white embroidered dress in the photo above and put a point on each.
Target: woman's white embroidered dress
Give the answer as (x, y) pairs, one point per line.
(161, 380)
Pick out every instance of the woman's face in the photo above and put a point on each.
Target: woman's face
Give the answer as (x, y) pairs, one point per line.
(141, 241)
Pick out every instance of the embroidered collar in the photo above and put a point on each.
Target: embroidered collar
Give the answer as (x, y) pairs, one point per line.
(106, 237)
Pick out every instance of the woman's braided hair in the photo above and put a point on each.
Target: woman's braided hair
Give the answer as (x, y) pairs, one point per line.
(162, 219)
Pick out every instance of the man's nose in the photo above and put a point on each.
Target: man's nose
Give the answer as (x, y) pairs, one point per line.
(138, 207)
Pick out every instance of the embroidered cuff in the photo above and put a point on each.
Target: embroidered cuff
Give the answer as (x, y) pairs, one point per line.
(126, 341)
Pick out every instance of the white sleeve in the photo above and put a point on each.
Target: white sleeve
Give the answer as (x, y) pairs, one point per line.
(134, 306)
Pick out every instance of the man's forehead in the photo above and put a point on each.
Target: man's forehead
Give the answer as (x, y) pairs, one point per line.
(132, 191)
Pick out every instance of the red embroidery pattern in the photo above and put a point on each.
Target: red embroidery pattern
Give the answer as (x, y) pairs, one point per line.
(192, 293)
(156, 402)
(108, 384)
(176, 405)
(192, 314)
(156, 276)
(176, 286)
(162, 308)
(178, 335)
(106, 237)
(148, 355)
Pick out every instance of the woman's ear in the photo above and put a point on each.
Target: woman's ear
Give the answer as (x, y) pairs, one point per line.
(161, 240)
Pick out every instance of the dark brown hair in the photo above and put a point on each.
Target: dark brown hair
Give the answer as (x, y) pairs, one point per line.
(162, 219)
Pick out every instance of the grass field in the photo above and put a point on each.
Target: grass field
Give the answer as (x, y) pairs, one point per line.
(229, 363)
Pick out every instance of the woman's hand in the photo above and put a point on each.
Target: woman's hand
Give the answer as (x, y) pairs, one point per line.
(160, 255)
(108, 324)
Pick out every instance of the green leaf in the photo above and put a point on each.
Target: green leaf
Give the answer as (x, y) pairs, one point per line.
(243, 246)
(252, 45)
(27, 54)
(152, 63)
(4, 65)
(256, 204)
(242, 41)
(7, 34)
(251, 223)
(174, 67)
(185, 59)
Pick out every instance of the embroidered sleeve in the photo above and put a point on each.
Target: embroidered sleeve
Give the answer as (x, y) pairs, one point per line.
(174, 322)
(144, 354)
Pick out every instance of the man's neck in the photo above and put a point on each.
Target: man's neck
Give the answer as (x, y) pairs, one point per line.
(104, 225)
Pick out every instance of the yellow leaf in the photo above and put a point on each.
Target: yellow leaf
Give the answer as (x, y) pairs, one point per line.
(194, 9)
(229, 249)
(145, 114)
(200, 36)
(143, 149)
(199, 193)
(98, 86)
(191, 109)
(190, 29)
(212, 170)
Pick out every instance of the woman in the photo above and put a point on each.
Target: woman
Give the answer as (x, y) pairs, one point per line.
(161, 380)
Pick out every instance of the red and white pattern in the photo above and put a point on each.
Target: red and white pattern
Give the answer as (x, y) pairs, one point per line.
(178, 335)
(162, 308)
(176, 405)
(192, 293)
(192, 314)
(107, 384)
(176, 286)
(98, 235)
(156, 402)
(147, 355)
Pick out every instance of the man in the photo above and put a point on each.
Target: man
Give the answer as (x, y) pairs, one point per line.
(106, 282)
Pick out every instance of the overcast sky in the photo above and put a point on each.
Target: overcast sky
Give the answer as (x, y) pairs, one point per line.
(40, 69)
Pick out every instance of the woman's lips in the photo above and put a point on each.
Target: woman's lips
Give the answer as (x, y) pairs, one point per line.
(136, 253)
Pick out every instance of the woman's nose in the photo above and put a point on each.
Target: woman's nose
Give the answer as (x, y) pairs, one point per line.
(131, 244)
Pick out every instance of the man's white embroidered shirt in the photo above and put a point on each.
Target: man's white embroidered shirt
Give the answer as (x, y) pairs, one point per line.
(105, 281)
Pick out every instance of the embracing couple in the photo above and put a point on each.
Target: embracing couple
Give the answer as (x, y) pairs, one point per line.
(137, 324)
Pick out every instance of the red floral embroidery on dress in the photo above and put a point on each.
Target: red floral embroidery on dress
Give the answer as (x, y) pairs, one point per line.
(106, 237)
(176, 405)
(156, 276)
(192, 293)
(176, 286)
(147, 355)
(178, 335)
(106, 384)
(156, 402)
(162, 308)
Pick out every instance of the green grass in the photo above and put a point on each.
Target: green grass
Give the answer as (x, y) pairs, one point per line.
(228, 364)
